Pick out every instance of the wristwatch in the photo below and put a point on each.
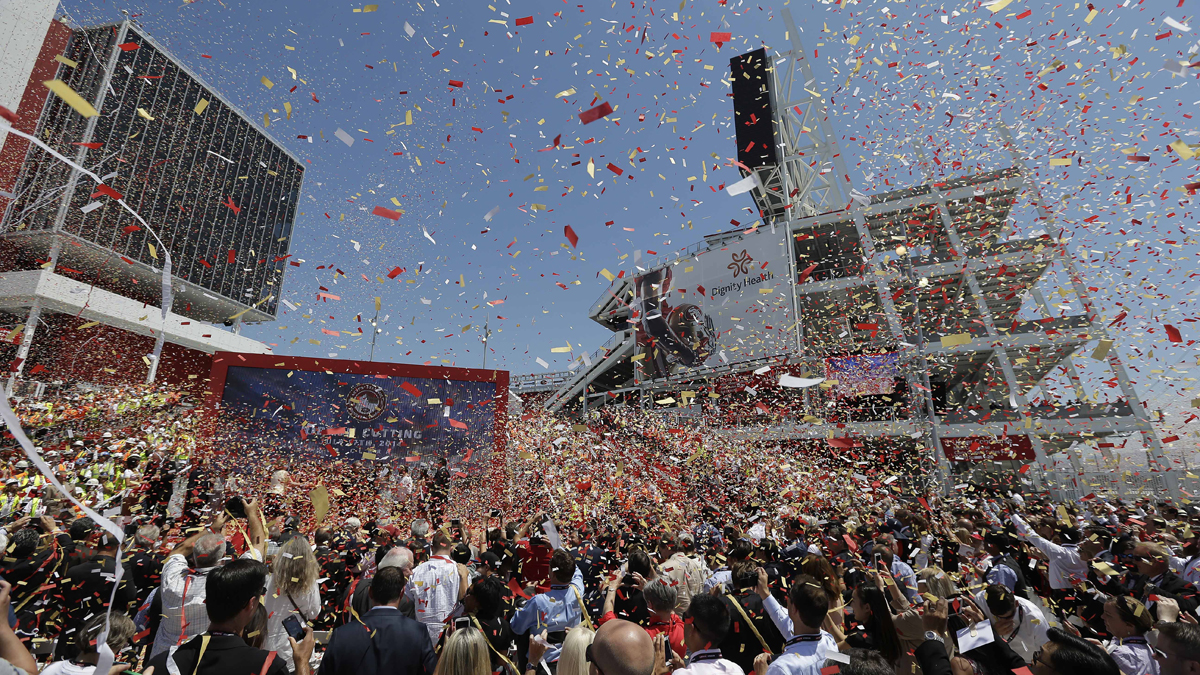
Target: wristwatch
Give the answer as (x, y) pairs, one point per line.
(930, 635)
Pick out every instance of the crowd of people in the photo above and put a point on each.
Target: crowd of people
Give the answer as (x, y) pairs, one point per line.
(622, 546)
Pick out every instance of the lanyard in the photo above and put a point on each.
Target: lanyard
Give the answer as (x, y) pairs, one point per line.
(803, 638)
(1017, 628)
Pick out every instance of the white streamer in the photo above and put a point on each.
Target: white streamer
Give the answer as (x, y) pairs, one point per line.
(166, 271)
(14, 427)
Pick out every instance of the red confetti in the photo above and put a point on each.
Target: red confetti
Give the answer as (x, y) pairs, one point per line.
(525, 21)
(128, 46)
(571, 236)
(395, 272)
(103, 189)
(1173, 333)
(602, 110)
(456, 83)
(386, 213)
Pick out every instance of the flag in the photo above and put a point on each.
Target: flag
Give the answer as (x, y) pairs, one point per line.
(864, 375)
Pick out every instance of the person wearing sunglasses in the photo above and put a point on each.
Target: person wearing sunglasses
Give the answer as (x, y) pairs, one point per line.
(1154, 578)
(1066, 654)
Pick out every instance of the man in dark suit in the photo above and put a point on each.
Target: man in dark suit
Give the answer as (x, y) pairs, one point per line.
(1154, 577)
(87, 587)
(385, 641)
(747, 639)
(232, 598)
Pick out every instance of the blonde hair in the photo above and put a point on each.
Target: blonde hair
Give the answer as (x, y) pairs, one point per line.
(937, 582)
(294, 568)
(465, 653)
(572, 660)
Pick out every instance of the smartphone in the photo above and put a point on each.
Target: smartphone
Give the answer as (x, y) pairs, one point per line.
(456, 522)
(462, 622)
(294, 628)
(667, 654)
(495, 513)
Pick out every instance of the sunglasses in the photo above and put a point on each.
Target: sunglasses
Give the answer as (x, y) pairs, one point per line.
(587, 656)
(1037, 658)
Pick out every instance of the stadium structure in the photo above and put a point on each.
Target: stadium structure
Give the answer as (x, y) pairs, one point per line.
(215, 191)
(899, 322)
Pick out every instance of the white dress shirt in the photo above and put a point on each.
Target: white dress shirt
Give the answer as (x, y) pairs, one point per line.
(1066, 564)
(720, 577)
(779, 616)
(709, 662)
(183, 615)
(433, 590)
(1188, 568)
(803, 655)
(1030, 622)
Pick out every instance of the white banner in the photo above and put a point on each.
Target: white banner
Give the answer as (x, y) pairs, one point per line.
(724, 306)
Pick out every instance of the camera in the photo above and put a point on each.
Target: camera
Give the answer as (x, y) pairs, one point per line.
(236, 507)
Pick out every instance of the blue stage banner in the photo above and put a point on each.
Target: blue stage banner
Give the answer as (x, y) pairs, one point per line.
(318, 414)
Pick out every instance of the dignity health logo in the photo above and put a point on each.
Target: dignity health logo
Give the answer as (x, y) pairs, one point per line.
(741, 264)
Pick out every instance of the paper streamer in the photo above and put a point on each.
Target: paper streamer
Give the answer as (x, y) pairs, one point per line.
(166, 271)
(14, 427)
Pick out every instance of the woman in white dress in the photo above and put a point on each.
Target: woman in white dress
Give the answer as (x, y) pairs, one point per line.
(291, 591)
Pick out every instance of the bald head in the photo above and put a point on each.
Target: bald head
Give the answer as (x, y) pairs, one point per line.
(623, 648)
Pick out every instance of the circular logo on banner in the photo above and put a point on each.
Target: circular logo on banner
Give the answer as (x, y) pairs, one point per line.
(367, 402)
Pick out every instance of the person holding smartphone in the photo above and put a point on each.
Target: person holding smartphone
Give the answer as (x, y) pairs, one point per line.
(292, 593)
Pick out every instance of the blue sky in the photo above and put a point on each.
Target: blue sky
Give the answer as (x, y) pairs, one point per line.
(1093, 92)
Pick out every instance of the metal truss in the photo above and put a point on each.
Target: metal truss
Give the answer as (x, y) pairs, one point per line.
(811, 178)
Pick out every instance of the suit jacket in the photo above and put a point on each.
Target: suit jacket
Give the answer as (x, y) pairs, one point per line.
(932, 658)
(361, 601)
(740, 645)
(1174, 586)
(385, 643)
(85, 592)
(224, 654)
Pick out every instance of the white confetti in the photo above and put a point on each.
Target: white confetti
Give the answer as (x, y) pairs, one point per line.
(1176, 25)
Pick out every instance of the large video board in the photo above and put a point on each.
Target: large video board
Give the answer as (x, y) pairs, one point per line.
(326, 410)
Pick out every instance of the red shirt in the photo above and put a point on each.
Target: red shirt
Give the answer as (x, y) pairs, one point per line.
(672, 628)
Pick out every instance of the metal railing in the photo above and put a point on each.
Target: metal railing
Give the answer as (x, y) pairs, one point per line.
(533, 382)
(596, 358)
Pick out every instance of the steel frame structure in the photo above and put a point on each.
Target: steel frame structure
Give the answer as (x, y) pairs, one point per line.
(1002, 359)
